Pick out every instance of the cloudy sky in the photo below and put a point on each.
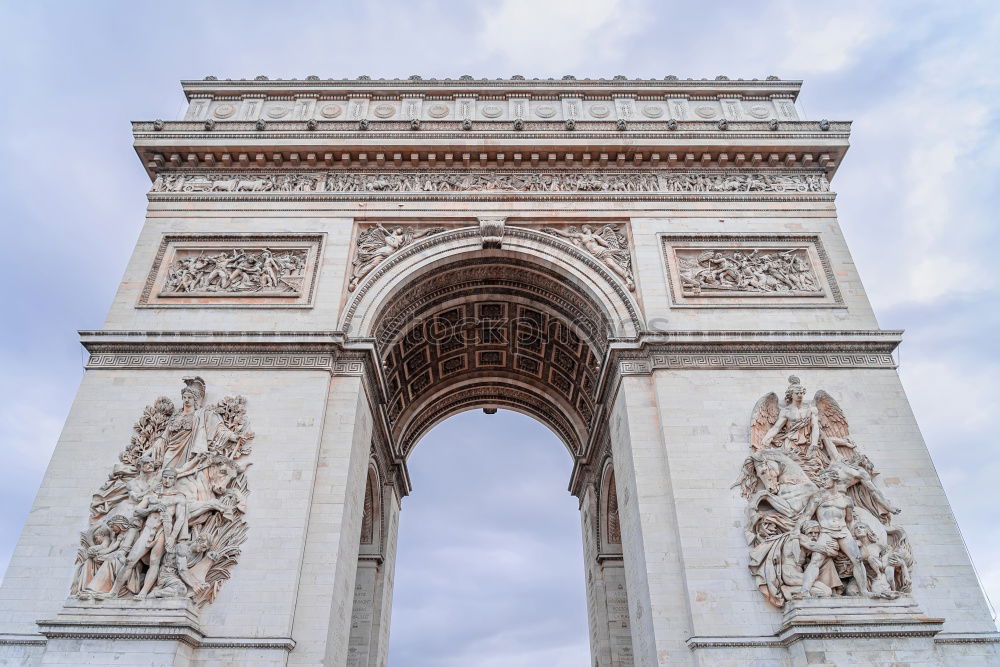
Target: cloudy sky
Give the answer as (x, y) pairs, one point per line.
(917, 194)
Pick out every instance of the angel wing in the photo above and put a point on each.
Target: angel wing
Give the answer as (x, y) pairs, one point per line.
(763, 417)
(618, 243)
(614, 238)
(371, 239)
(412, 236)
(831, 418)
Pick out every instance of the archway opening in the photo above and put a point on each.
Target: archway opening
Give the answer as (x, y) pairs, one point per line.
(489, 567)
(514, 331)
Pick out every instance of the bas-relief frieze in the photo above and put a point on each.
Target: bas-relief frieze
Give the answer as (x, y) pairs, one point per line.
(578, 182)
(169, 521)
(817, 521)
(233, 270)
(732, 270)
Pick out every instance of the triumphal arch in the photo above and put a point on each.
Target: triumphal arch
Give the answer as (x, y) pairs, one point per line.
(651, 268)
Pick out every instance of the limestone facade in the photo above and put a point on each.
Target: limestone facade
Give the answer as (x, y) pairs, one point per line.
(635, 263)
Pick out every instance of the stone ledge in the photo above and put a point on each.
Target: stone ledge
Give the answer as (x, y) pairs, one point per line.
(165, 620)
(839, 618)
(10, 639)
(968, 638)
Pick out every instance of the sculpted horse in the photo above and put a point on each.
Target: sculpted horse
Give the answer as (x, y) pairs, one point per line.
(774, 482)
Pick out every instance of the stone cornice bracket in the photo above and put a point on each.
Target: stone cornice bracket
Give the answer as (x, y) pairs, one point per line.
(492, 228)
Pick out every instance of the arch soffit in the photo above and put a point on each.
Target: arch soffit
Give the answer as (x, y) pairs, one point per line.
(594, 281)
(505, 392)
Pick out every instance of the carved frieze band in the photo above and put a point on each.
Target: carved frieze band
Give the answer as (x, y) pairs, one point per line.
(234, 270)
(749, 271)
(602, 183)
(229, 360)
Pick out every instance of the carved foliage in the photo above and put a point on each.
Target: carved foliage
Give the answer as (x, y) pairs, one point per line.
(169, 521)
(818, 522)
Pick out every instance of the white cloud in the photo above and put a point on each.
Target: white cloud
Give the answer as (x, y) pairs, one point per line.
(558, 35)
(823, 41)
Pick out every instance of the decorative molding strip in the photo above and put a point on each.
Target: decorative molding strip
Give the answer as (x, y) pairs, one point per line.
(189, 635)
(968, 638)
(12, 639)
(759, 360)
(234, 271)
(235, 361)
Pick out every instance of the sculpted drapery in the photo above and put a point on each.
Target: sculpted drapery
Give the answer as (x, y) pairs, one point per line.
(817, 523)
(168, 522)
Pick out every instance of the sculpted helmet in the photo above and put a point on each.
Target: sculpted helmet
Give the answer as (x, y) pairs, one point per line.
(794, 387)
(196, 386)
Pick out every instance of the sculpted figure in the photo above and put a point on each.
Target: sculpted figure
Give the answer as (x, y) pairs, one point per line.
(833, 510)
(178, 491)
(784, 272)
(240, 270)
(375, 245)
(813, 506)
(175, 578)
(166, 521)
(874, 556)
(105, 558)
(608, 245)
(192, 431)
(811, 544)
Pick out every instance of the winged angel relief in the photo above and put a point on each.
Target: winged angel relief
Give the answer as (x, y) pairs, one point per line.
(608, 244)
(817, 522)
(169, 521)
(377, 244)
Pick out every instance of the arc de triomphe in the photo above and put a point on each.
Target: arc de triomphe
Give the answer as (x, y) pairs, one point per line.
(652, 269)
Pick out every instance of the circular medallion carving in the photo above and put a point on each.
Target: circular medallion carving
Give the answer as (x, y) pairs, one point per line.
(759, 111)
(224, 111)
(600, 111)
(492, 111)
(438, 110)
(652, 111)
(384, 110)
(277, 112)
(706, 111)
(331, 111)
(545, 111)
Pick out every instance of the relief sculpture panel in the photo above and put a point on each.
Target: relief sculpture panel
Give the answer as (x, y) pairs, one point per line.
(169, 520)
(817, 521)
(233, 270)
(749, 271)
(582, 182)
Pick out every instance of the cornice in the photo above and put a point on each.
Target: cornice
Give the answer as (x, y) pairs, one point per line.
(468, 85)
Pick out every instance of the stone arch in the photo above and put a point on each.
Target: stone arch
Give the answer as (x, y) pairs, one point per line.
(372, 514)
(525, 327)
(592, 279)
(609, 524)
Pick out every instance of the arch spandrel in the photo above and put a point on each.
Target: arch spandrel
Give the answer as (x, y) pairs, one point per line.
(593, 281)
